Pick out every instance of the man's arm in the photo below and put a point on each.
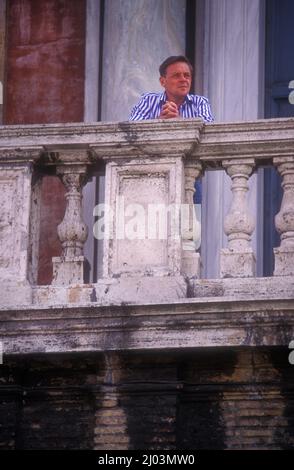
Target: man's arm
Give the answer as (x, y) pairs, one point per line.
(204, 110)
(142, 110)
(149, 107)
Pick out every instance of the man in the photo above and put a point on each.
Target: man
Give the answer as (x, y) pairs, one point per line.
(175, 101)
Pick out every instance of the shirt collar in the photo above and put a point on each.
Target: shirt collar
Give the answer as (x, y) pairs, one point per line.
(163, 98)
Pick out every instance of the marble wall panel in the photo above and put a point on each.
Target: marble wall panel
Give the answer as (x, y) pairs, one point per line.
(138, 36)
(15, 189)
(141, 240)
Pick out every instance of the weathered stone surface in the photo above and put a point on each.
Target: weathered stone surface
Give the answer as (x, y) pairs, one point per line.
(256, 288)
(134, 189)
(72, 231)
(131, 291)
(16, 167)
(116, 139)
(191, 236)
(284, 261)
(284, 220)
(141, 289)
(68, 270)
(237, 263)
(205, 322)
(13, 291)
(15, 201)
(57, 295)
(238, 259)
(262, 140)
(137, 160)
(140, 170)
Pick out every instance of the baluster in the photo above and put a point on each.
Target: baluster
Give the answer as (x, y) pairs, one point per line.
(284, 220)
(238, 260)
(191, 234)
(72, 231)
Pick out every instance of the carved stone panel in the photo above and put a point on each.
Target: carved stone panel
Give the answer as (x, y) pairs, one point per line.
(7, 189)
(15, 187)
(142, 234)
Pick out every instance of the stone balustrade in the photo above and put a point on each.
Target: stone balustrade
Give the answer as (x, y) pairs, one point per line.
(151, 166)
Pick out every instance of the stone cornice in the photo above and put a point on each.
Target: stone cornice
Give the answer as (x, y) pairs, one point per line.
(108, 139)
(18, 155)
(262, 140)
(209, 143)
(217, 322)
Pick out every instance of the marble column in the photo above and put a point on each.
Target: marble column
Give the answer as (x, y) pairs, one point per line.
(233, 80)
(91, 114)
(72, 231)
(93, 46)
(191, 237)
(284, 220)
(16, 169)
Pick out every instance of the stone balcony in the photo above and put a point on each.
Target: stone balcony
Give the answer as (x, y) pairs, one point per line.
(151, 295)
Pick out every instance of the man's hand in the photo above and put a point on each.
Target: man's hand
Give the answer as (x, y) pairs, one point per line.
(169, 111)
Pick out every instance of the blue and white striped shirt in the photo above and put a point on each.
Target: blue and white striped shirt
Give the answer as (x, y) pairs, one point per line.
(150, 104)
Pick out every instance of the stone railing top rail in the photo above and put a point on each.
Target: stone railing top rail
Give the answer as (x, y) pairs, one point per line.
(210, 143)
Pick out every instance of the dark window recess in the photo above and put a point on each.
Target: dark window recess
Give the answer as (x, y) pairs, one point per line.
(279, 71)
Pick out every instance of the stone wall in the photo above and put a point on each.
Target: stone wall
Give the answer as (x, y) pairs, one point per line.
(45, 61)
(47, 404)
(208, 399)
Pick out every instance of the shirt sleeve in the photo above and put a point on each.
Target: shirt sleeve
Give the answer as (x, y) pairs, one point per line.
(205, 110)
(141, 110)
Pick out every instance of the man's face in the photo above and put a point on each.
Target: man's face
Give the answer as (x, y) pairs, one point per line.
(177, 81)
